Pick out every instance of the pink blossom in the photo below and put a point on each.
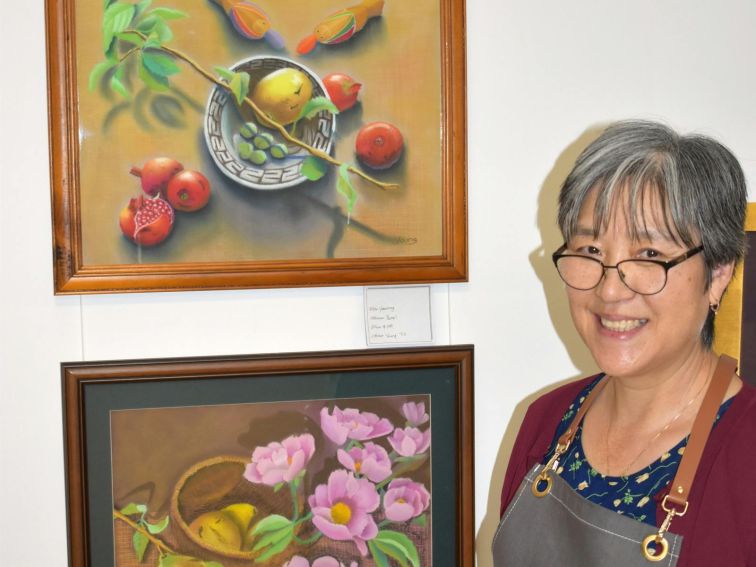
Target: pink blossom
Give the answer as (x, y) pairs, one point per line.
(280, 462)
(405, 499)
(324, 561)
(341, 509)
(410, 441)
(353, 424)
(415, 413)
(372, 461)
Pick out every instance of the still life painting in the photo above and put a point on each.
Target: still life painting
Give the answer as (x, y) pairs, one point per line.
(323, 483)
(230, 143)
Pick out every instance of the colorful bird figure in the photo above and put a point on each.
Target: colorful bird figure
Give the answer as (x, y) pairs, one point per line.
(251, 22)
(342, 25)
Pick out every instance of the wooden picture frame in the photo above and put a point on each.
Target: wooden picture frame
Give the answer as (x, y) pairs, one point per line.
(247, 237)
(735, 324)
(154, 446)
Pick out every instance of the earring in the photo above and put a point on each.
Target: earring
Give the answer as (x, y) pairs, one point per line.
(714, 307)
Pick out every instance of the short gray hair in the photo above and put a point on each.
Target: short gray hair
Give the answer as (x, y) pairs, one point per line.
(697, 180)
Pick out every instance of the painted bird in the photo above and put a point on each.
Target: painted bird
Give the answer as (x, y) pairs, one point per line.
(251, 22)
(342, 25)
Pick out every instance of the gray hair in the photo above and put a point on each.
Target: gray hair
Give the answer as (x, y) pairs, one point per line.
(698, 182)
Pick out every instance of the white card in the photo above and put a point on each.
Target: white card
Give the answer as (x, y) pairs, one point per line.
(398, 314)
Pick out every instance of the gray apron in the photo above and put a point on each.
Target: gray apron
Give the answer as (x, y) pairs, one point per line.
(547, 523)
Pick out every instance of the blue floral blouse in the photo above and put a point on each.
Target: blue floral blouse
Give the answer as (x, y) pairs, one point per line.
(631, 495)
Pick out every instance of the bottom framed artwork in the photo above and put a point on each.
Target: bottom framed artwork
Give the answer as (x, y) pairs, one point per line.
(353, 458)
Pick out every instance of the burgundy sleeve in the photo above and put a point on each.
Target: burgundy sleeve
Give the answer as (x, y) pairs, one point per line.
(517, 466)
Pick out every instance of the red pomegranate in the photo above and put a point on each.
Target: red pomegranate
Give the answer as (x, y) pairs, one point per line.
(188, 191)
(156, 173)
(146, 222)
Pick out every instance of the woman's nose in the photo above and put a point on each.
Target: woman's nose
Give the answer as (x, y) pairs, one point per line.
(611, 287)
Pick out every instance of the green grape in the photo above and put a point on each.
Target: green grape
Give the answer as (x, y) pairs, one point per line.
(258, 157)
(263, 141)
(245, 149)
(248, 130)
(279, 151)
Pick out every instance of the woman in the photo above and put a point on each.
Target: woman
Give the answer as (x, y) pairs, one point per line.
(652, 460)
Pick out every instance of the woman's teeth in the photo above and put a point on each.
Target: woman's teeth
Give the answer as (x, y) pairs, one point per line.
(623, 325)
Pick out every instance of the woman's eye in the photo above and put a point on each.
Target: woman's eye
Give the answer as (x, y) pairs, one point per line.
(650, 253)
(588, 250)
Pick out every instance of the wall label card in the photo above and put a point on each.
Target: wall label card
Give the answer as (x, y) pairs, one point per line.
(398, 315)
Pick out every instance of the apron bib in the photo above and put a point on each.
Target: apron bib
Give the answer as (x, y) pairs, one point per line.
(548, 523)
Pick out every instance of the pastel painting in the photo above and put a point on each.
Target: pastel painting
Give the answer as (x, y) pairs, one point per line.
(234, 131)
(317, 483)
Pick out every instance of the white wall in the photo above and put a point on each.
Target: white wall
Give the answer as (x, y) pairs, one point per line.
(541, 76)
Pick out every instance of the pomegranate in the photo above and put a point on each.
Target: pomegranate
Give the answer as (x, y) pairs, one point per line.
(156, 173)
(342, 89)
(379, 145)
(146, 222)
(188, 191)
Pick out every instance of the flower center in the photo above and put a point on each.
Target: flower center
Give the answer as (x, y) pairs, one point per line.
(341, 513)
(357, 466)
(401, 500)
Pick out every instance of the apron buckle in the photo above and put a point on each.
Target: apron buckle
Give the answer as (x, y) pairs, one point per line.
(543, 476)
(661, 546)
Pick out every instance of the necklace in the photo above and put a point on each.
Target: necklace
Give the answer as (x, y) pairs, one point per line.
(658, 434)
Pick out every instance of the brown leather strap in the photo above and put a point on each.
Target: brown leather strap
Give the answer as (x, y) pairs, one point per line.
(699, 433)
(568, 435)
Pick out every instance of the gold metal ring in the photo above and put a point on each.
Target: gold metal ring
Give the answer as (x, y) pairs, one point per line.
(659, 554)
(543, 477)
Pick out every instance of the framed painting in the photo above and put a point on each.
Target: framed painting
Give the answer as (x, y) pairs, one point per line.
(221, 144)
(312, 459)
(735, 327)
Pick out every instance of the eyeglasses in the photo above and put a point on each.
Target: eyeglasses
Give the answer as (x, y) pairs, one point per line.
(646, 277)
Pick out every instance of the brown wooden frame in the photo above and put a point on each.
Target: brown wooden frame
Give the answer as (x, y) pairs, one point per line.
(81, 379)
(73, 277)
(729, 337)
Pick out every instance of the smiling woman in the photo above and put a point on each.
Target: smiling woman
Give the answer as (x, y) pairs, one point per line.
(636, 464)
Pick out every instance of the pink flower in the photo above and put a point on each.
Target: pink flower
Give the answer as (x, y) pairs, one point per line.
(405, 499)
(415, 413)
(324, 561)
(342, 508)
(372, 461)
(410, 441)
(353, 424)
(280, 462)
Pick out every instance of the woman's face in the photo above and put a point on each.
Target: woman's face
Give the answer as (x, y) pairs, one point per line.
(630, 334)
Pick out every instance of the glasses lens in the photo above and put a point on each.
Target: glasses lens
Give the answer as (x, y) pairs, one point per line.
(642, 277)
(580, 272)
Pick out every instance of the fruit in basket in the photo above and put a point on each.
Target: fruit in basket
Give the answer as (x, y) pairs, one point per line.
(379, 145)
(217, 529)
(188, 191)
(282, 94)
(342, 90)
(242, 514)
(156, 173)
(146, 222)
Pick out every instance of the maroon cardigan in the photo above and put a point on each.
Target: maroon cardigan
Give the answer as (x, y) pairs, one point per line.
(719, 528)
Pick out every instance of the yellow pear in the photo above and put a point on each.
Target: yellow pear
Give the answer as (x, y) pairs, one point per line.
(241, 513)
(282, 94)
(217, 530)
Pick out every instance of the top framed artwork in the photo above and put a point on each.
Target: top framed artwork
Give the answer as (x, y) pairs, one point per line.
(224, 144)
(735, 325)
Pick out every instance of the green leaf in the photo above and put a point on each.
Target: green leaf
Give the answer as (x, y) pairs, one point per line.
(154, 82)
(99, 70)
(130, 509)
(270, 523)
(398, 546)
(116, 83)
(156, 27)
(378, 556)
(345, 187)
(280, 485)
(117, 18)
(224, 73)
(173, 560)
(159, 62)
(131, 37)
(140, 542)
(163, 31)
(421, 521)
(272, 538)
(141, 7)
(211, 564)
(277, 548)
(313, 168)
(168, 13)
(239, 85)
(315, 105)
(159, 527)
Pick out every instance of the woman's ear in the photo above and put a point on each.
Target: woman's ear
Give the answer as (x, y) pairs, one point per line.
(720, 279)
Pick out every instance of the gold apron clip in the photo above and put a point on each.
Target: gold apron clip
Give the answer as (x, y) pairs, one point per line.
(543, 476)
(661, 546)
